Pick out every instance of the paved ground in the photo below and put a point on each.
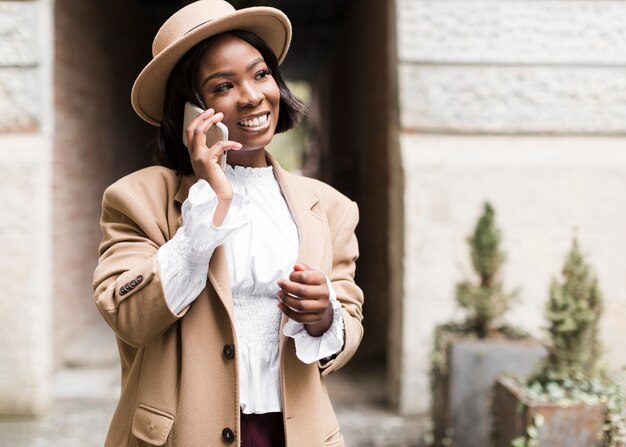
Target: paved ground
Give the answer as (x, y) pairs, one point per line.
(358, 395)
(84, 399)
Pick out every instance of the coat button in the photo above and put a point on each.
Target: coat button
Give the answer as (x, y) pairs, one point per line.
(229, 352)
(228, 435)
(139, 279)
(122, 291)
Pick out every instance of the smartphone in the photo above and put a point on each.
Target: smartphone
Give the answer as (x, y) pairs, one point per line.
(217, 132)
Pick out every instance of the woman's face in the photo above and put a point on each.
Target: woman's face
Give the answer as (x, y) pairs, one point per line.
(235, 80)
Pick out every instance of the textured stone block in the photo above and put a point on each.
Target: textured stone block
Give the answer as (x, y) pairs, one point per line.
(492, 99)
(18, 33)
(20, 99)
(17, 180)
(512, 32)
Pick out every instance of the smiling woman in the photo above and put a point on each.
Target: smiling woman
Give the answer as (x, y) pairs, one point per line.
(231, 290)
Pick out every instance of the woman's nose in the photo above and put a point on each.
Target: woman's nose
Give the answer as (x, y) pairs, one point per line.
(250, 96)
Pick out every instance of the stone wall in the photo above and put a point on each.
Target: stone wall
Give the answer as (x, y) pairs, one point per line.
(522, 104)
(21, 56)
(25, 175)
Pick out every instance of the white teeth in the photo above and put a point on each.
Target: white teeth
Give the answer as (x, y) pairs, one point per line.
(255, 122)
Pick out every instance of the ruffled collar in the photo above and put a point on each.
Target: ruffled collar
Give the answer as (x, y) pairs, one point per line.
(247, 174)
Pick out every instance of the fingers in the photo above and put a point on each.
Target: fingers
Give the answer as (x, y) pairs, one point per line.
(305, 282)
(300, 305)
(205, 161)
(200, 125)
(303, 291)
(193, 128)
(223, 146)
(196, 134)
(214, 151)
(204, 125)
(305, 318)
(304, 274)
(304, 296)
(303, 310)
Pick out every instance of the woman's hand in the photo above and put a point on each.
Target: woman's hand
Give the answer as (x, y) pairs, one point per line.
(205, 160)
(305, 298)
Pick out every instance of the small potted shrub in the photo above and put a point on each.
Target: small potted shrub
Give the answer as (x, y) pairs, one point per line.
(468, 356)
(568, 402)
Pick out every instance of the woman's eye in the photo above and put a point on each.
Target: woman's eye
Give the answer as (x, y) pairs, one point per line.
(261, 74)
(222, 87)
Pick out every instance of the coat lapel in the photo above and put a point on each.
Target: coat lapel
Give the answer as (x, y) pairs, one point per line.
(303, 206)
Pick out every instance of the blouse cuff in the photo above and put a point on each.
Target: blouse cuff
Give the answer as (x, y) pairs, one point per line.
(198, 211)
(183, 260)
(310, 349)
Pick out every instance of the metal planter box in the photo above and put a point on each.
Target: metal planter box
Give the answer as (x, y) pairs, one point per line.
(577, 425)
(462, 395)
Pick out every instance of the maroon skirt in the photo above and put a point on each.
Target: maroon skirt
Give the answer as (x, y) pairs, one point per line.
(262, 430)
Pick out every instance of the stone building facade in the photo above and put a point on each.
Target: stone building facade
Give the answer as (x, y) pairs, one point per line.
(522, 103)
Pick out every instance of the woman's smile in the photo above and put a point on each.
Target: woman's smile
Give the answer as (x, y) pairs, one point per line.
(255, 123)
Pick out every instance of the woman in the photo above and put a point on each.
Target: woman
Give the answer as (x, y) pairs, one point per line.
(232, 291)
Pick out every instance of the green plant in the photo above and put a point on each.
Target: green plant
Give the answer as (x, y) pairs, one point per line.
(573, 312)
(532, 433)
(570, 373)
(485, 301)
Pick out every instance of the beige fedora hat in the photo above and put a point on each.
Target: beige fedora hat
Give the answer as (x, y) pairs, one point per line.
(191, 25)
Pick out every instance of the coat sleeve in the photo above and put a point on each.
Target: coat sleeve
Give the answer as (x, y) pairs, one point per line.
(127, 287)
(345, 254)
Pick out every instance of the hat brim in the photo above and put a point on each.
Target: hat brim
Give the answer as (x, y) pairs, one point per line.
(148, 92)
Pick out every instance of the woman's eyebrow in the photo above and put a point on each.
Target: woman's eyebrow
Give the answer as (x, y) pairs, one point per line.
(226, 74)
(218, 74)
(254, 62)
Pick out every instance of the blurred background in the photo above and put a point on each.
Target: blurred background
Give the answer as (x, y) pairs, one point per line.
(420, 110)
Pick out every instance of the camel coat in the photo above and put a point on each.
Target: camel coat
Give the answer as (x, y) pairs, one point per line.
(179, 374)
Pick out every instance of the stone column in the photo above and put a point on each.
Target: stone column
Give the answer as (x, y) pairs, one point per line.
(25, 205)
(521, 103)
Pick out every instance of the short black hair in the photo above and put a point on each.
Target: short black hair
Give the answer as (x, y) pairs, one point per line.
(181, 87)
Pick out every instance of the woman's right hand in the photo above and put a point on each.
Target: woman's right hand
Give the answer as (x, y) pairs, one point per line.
(205, 160)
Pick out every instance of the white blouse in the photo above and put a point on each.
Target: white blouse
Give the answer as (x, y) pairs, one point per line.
(261, 243)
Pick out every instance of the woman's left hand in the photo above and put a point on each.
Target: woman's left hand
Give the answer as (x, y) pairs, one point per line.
(305, 298)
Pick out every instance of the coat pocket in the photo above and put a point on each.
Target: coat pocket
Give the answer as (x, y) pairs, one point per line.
(334, 439)
(152, 425)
